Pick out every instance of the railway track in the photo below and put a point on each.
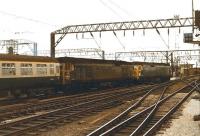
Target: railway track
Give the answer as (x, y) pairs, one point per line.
(53, 104)
(13, 104)
(146, 119)
(68, 113)
(13, 101)
(58, 112)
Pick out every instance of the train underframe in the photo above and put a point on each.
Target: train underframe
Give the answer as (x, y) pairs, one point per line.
(78, 86)
(30, 87)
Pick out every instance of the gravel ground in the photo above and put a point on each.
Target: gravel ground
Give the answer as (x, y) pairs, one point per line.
(184, 125)
(82, 126)
(175, 86)
(86, 124)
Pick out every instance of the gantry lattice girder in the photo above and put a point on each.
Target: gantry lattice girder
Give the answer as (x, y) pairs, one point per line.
(83, 52)
(146, 56)
(15, 43)
(118, 26)
(189, 58)
(169, 56)
(129, 25)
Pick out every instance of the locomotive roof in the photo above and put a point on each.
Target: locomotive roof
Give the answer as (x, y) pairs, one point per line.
(150, 63)
(14, 57)
(100, 61)
(90, 61)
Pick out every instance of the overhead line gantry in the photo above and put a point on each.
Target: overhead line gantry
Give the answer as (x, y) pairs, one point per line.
(123, 26)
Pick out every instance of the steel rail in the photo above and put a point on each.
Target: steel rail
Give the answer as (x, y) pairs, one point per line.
(107, 91)
(143, 124)
(102, 101)
(121, 116)
(169, 113)
(129, 120)
(198, 89)
(54, 119)
(73, 106)
(57, 103)
(64, 102)
(62, 111)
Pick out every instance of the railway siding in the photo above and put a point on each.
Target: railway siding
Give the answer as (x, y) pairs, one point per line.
(140, 99)
(74, 111)
(142, 118)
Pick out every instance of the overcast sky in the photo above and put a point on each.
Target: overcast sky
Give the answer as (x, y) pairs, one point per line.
(35, 19)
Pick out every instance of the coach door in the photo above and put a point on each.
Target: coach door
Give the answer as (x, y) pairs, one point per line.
(66, 68)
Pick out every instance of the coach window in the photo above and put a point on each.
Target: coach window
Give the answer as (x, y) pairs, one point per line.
(26, 69)
(57, 69)
(41, 69)
(8, 69)
(51, 69)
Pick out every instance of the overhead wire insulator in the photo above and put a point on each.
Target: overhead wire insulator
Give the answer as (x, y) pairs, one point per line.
(133, 33)
(168, 37)
(114, 33)
(91, 34)
(100, 34)
(168, 31)
(143, 32)
(82, 35)
(76, 36)
(124, 33)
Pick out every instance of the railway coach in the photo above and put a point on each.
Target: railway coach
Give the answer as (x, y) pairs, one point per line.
(19, 73)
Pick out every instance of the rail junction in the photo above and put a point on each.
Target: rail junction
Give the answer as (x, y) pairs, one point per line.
(151, 105)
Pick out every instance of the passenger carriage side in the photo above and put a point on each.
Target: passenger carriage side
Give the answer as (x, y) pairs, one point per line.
(17, 73)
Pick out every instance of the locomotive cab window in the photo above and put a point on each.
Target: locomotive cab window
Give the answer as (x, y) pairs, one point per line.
(41, 69)
(26, 69)
(8, 69)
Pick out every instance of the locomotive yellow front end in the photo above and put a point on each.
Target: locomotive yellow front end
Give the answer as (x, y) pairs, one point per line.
(137, 71)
